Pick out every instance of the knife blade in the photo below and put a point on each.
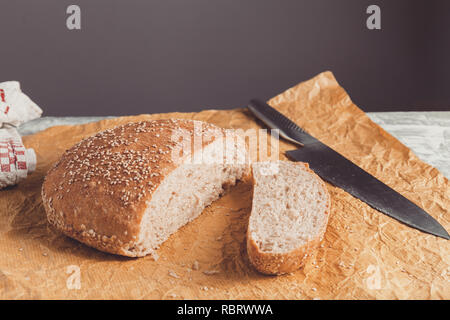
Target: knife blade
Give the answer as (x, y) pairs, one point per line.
(341, 172)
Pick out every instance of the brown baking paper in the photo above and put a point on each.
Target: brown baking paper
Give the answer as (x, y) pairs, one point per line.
(364, 255)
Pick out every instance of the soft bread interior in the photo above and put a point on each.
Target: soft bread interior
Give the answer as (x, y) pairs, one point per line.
(186, 191)
(289, 206)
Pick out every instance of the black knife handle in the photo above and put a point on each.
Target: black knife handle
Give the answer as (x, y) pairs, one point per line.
(275, 120)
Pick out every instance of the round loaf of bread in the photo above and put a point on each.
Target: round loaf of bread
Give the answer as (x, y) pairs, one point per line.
(127, 189)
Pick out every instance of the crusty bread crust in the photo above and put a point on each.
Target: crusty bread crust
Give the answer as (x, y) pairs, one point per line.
(277, 263)
(282, 263)
(98, 191)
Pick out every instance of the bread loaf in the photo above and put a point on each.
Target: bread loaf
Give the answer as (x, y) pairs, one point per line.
(289, 215)
(127, 189)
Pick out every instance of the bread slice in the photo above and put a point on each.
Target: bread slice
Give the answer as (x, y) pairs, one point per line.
(289, 215)
(127, 189)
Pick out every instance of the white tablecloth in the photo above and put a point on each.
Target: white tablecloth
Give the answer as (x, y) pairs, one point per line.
(427, 134)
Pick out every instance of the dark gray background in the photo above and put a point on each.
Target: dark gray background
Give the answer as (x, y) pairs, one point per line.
(136, 56)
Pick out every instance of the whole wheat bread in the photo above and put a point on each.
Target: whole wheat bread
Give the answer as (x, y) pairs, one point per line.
(289, 215)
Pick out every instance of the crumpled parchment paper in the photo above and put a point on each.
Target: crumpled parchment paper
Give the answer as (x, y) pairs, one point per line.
(364, 255)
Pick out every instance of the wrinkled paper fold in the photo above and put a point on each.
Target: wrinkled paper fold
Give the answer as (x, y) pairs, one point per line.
(364, 255)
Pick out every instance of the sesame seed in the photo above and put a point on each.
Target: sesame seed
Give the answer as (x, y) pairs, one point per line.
(105, 159)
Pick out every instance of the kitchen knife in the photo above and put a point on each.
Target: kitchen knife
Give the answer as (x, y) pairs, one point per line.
(341, 172)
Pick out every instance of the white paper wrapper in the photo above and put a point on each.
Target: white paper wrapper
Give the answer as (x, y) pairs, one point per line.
(15, 108)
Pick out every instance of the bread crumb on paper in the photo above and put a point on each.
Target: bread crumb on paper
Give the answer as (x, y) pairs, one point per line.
(173, 274)
(210, 272)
